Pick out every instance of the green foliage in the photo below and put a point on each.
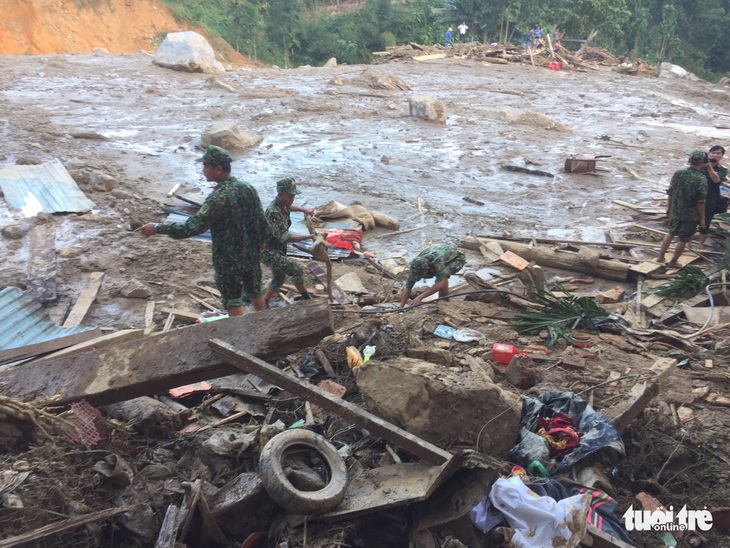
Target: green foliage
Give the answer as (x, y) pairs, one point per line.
(687, 283)
(558, 315)
(387, 39)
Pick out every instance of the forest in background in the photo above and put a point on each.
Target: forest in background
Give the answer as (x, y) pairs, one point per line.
(689, 33)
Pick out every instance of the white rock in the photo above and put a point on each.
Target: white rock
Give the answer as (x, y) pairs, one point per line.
(188, 52)
(229, 136)
(427, 108)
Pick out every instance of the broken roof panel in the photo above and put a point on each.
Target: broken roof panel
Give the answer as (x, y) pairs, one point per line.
(47, 188)
(24, 322)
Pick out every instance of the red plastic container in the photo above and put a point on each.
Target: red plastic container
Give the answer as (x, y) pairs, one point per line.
(554, 65)
(503, 353)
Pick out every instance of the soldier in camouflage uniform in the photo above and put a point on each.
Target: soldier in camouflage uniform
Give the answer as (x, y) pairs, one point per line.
(278, 216)
(686, 205)
(440, 262)
(234, 215)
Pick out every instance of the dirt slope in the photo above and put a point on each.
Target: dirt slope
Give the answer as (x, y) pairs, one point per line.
(63, 26)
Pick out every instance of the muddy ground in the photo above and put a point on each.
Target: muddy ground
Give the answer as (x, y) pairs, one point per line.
(141, 124)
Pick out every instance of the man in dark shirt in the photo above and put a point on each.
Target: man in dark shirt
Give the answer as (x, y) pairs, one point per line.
(238, 228)
(716, 175)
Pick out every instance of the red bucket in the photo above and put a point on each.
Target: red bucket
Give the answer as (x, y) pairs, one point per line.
(503, 353)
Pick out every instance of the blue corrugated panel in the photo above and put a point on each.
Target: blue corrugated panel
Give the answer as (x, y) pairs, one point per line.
(47, 188)
(24, 321)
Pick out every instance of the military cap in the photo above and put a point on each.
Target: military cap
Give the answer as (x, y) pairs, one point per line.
(216, 156)
(698, 157)
(287, 185)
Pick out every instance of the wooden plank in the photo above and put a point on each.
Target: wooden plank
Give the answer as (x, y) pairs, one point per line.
(180, 313)
(42, 262)
(330, 403)
(339, 295)
(149, 315)
(429, 57)
(86, 298)
(60, 527)
(104, 341)
(154, 364)
(36, 349)
(646, 268)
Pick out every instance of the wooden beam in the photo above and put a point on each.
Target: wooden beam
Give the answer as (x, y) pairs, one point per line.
(577, 262)
(180, 313)
(86, 298)
(614, 244)
(66, 525)
(161, 361)
(104, 341)
(331, 404)
(36, 349)
(149, 317)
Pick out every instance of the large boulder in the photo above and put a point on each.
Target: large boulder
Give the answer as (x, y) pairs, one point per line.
(188, 52)
(377, 79)
(442, 404)
(427, 108)
(668, 70)
(231, 137)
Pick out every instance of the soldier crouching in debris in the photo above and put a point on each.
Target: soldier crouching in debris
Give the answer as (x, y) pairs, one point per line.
(238, 228)
(686, 205)
(440, 262)
(278, 216)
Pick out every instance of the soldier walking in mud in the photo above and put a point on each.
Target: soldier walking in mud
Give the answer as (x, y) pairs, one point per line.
(440, 262)
(279, 219)
(234, 215)
(686, 205)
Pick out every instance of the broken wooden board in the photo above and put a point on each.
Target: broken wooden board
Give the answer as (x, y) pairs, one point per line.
(162, 361)
(429, 57)
(36, 349)
(86, 298)
(647, 268)
(701, 315)
(331, 404)
(339, 295)
(104, 341)
(42, 262)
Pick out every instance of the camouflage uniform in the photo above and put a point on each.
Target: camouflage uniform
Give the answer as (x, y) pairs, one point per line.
(687, 189)
(275, 254)
(234, 215)
(440, 261)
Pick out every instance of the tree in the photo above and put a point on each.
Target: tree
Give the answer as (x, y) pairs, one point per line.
(283, 18)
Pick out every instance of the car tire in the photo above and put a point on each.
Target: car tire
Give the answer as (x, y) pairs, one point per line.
(279, 487)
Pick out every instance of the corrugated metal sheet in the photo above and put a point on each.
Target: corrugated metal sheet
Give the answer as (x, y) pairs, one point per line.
(24, 321)
(45, 188)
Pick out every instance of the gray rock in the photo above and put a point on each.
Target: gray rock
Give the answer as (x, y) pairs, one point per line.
(102, 182)
(188, 52)
(231, 137)
(15, 232)
(441, 404)
(69, 252)
(120, 194)
(427, 108)
(134, 289)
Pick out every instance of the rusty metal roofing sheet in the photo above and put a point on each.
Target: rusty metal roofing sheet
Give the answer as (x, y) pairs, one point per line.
(45, 188)
(24, 321)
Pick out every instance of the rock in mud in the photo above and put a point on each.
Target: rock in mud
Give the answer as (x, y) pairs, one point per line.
(102, 182)
(378, 79)
(231, 137)
(134, 289)
(15, 232)
(188, 52)
(427, 108)
(440, 404)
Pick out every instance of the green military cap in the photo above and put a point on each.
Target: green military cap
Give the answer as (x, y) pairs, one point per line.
(216, 156)
(287, 185)
(698, 157)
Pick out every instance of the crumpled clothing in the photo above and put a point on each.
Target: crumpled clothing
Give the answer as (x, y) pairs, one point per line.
(344, 238)
(560, 432)
(360, 214)
(540, 521)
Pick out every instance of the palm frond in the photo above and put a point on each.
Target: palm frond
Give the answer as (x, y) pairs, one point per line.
(558, 315)
(687, 283)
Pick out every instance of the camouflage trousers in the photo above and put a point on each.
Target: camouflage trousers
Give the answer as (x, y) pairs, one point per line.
(236, 280)
(281, 267)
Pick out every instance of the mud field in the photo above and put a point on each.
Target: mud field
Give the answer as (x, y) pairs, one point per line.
(121, 114)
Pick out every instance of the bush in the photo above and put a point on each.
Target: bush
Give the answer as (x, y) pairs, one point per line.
(387, 40)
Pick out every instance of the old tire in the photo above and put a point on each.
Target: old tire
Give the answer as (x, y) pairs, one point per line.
(280, 488)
